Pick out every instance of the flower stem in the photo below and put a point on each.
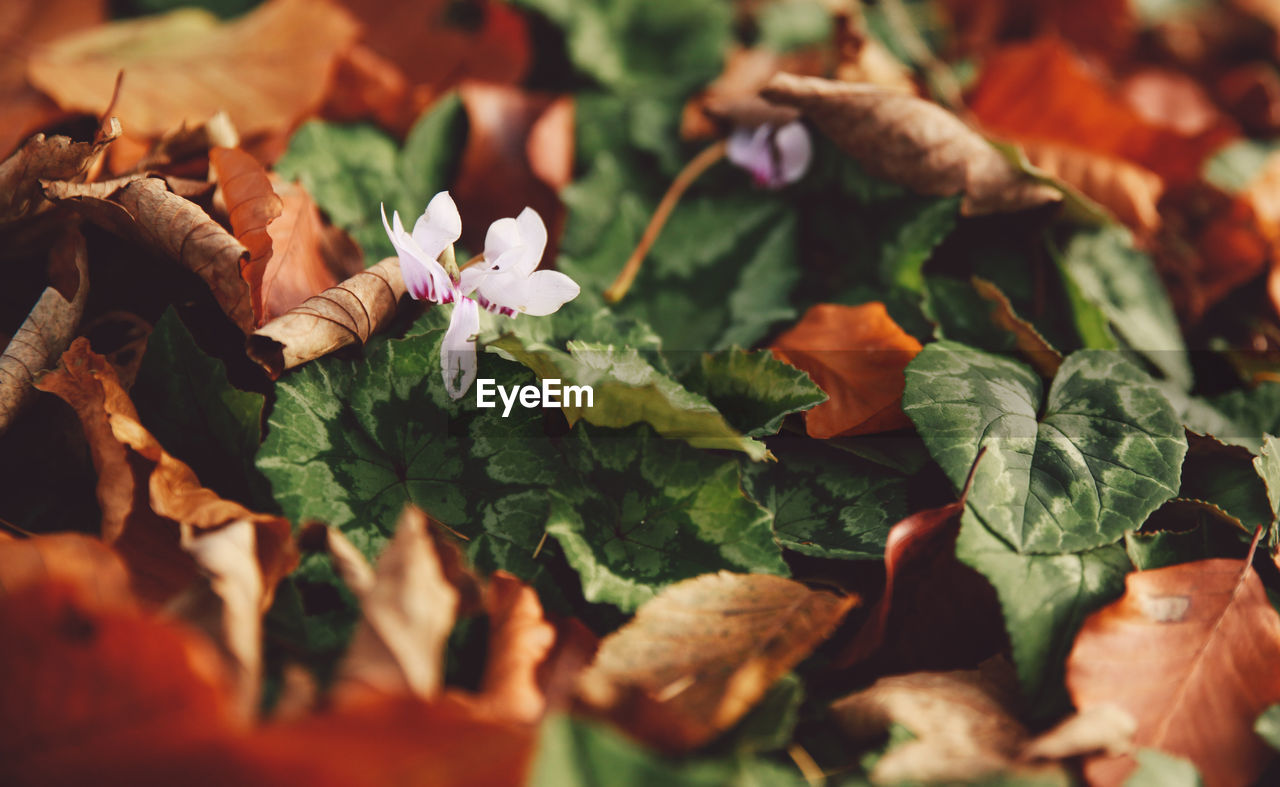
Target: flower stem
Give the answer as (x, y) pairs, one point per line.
(698, 165)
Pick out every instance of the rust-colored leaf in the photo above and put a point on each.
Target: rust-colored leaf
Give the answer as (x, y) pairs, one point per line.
(1129, 191)
(519, 153)
(147, 210)
(1190, 651)
(346, 314)
(911, 141)
(1106, 27)
(49, 327)
(267, 70)
(27, 24)
(702, 652)
(520, 640)
(368, 85)
(75, 559)
(251, 206)
(168, 528)
(856, 354)
(1042, 92)
(1037, 350)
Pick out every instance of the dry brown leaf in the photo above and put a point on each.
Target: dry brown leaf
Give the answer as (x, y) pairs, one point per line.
(700, 654)
(963, 722)
(367, 85)
(168, 528)
(520, 639)
(267, 70)
(1129, 191)
(856, 354)
(1190, 651)
(407, 609)
(147, 210)
(862, 58)
(72, 558)
(1105, 27)
(27, 24)
(1037, 350)
(184, 149)
(1099, 728)
(49, 327)
(911, 141)
(514, 137)
(251, 206)
(346, 314)
(47, 158)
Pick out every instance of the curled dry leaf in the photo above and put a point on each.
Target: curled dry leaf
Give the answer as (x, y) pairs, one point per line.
(911, 141)
(292, 253)
(97, 573)
(158, 517)
(147, 210)
(26, 25)
(1190, 651)
(407, 609)
(1037, 350)
(346, 314)
(267, 70)
(184, 149)
(47, 158)
(49, 327)
(700, 654)
(856, 354)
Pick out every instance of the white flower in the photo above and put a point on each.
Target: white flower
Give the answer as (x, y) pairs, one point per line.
(438, 228)
(506, 280)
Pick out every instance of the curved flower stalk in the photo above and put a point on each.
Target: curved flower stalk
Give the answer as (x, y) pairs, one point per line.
(504, 279)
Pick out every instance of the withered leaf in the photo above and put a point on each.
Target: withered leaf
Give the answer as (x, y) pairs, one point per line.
(856, 354)
(72, 558)
(48, 329)
(519, 640)
(146, 209)
(47, 158)
(1037, 350)
(1190, 652)
(251, 206)
(911, 141)
(407, 609)
(1129, 191)
(267, 70)
(346, 314)
(701, 653)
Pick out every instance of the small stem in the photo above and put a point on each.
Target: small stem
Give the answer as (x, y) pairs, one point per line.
(696, 166)
(450, 262)
(470, 262)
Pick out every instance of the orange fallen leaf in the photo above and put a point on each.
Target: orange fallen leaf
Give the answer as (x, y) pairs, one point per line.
(81, 561)
(27, 24)
(856, 354)
(1107, 27)
(520, 640)
(701, 653)
(909, 140)
(267, 70)
(252, 205)
(368, 85)
(1190, 651)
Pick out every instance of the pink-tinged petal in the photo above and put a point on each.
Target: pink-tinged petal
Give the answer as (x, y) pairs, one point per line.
(537, 295)
(750, 150)
(439, 226)
(458, 350)
(424, 277)
(503, 235)
(533, 235)
(795, 151)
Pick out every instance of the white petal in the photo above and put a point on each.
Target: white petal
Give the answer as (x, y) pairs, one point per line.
(503, 235)
(795, 150)
(538, 295)
(458, 350)
(438, 226)
(424, 278)
(533, 234)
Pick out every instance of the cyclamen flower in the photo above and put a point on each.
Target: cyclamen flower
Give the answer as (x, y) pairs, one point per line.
(774, 155)
(505, 280)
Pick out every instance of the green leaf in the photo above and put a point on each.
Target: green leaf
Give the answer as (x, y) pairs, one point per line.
(1183, 531)
(1064, 473)
(185, 399)
(1268, 726)
(1235, 165)
(580, 753)
(628, 389)
(1158, 769)
(1044, 600)
(351, 170)
(770, 725)
(1112, 275)
(910, 238)
(223, 8)
(828, 503)
(638, 47)
(646, 512)
(1226, 476)
(1267, 464)
(753, 390)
